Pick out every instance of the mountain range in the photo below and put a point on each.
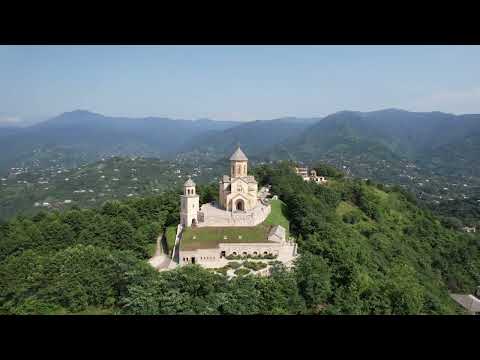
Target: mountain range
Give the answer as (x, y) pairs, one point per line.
(83, 135)
(443, 142)
(439, 139)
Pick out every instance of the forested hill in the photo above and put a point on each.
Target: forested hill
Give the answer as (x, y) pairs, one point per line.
(82, 136)
(406, 134)
(256, 137)
(365, 249)
(434, 154)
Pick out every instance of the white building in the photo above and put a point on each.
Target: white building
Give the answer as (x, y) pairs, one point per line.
(238, 192)
(198, 243)
(310, 176)
(189, 204)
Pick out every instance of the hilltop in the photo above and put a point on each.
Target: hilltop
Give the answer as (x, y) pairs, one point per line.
(364, 249)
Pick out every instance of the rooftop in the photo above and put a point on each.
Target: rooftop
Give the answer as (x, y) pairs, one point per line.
(189, 182)
(210, 237)
(238, 155)
(277, 233)
(469, 302)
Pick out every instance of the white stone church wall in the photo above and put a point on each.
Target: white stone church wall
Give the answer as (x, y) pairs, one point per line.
(202, 256)
(249, 248)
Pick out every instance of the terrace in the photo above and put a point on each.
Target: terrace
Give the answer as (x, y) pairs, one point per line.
(210, 237)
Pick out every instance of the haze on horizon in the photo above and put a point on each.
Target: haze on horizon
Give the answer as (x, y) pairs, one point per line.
(240, 83)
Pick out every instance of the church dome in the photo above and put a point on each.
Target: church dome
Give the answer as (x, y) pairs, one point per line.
(238, 155)
(189, 182)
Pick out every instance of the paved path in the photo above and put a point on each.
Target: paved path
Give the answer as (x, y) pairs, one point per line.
(263, 193)
(159, 261)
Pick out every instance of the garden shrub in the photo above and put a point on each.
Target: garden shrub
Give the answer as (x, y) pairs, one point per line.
(242, 271)
(234, 264)
(255, 266)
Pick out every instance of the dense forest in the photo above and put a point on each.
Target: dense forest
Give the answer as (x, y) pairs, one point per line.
(365, 249)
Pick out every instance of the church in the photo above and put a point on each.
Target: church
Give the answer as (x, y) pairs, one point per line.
(238, 192)
(239, 201)
(235, 226)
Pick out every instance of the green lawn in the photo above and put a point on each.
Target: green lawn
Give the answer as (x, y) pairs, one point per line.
(277, 215)
(170, 234)
(210, 237)
(344, 208)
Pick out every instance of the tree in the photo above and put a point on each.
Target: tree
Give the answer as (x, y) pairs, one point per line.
(327, 171)
(403, 290)
(452, 223)
(313, 277)
(279, 293)
(208, 193)
(57, 235)
(122, 235)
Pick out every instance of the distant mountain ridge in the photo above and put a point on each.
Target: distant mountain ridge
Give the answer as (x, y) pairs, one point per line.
(82, 136)
(94, 136)
(255, 137)
(446, 141)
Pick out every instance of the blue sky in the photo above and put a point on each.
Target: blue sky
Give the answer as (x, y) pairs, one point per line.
(236, 82)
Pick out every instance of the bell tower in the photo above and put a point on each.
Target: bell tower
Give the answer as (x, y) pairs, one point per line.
(238, 164)
(189, 204)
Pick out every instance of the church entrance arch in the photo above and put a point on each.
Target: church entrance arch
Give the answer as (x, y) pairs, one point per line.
(240, 205)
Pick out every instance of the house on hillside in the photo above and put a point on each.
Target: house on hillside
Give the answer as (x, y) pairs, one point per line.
(310, 175)
(468, 229)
